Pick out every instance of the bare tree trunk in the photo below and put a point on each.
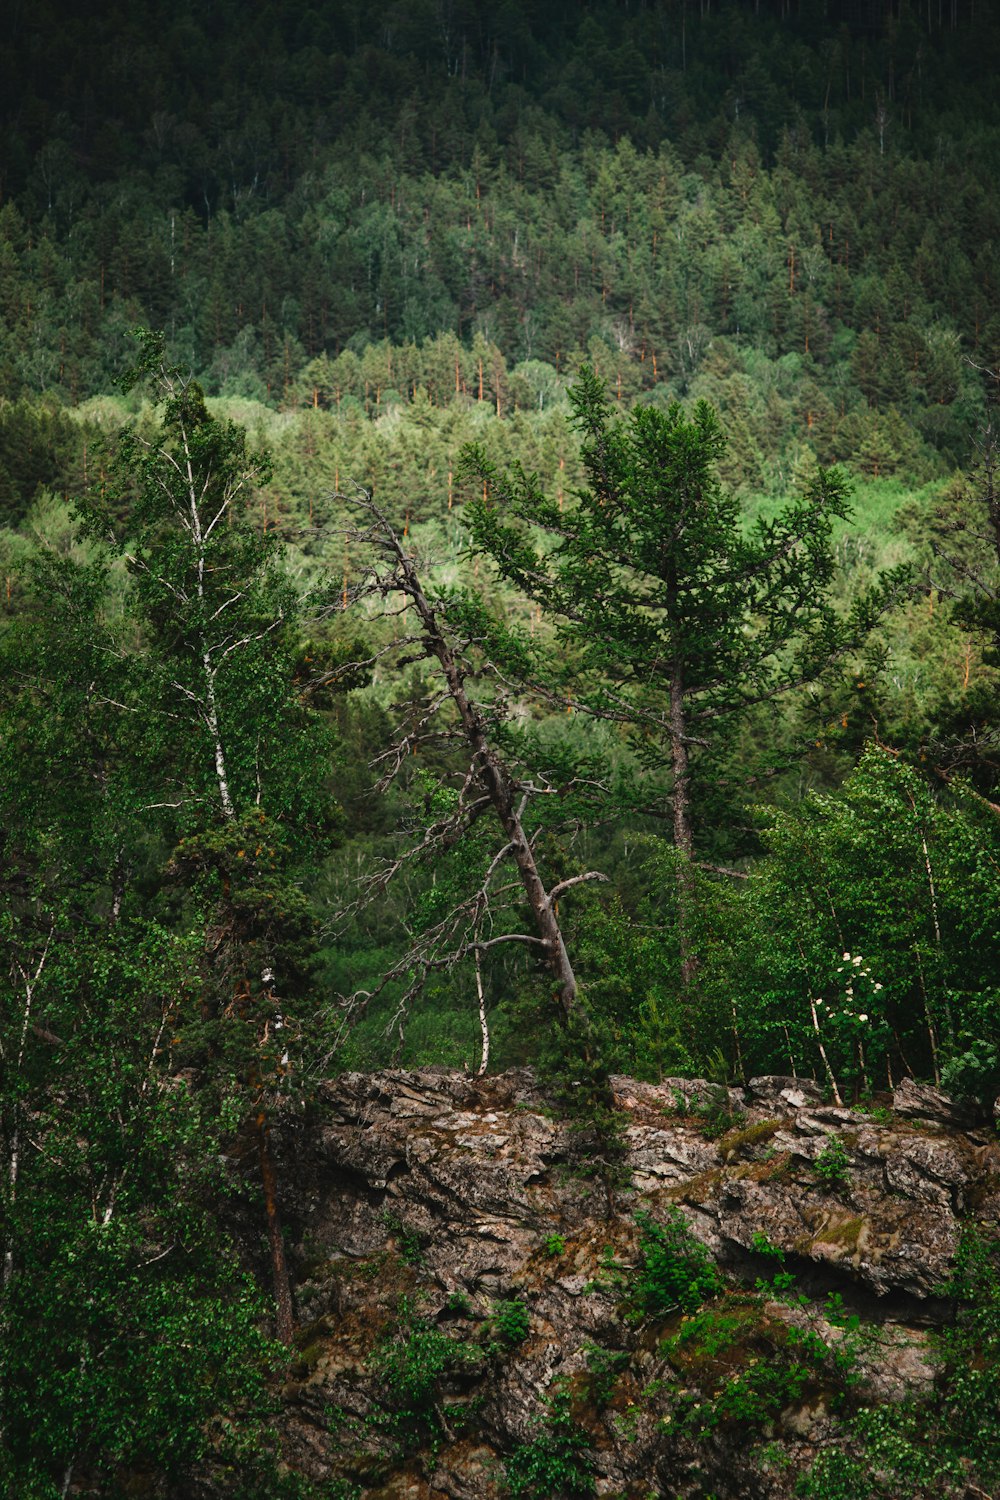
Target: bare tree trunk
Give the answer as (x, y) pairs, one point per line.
(494, 779)
(830, 1078)
(484, 1061)
(284, 1319)
(212, 720)
(683, 831)
(29, 982)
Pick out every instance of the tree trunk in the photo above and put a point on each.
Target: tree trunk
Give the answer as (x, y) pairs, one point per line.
(497, 784)
(284, 1320)
(683, 832)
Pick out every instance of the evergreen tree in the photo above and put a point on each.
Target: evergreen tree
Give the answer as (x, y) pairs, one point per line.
(679, 619)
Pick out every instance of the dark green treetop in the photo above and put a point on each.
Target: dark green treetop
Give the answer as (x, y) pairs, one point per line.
(679, 617)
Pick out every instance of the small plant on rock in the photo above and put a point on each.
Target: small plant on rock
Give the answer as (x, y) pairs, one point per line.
(508, 1326)
(557, 1463)
(718, 1114)
(410, 1363)
(832, 1165)
(676, 1270)
(408, 1241)
(605, 1366)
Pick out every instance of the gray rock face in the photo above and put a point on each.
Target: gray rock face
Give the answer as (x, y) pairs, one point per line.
(422, 1200)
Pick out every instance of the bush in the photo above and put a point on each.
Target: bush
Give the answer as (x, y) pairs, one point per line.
(508, 1326)
(832, 1164)
(973, 1075)
(676, 1270)
(410, 1363)
(558, 1462)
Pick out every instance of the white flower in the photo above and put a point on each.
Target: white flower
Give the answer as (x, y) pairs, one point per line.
(819, 1002)
(858, 960)
(847, 958)
(862, 1017)
(877, 988)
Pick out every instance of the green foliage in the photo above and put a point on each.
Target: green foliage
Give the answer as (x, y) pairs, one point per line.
(605, 1366)
(39, 449)
(410, 1363)
(557, 1464)
(944, 1444)
(507, 1326)
(748, 1366)
(832, 1165)
(747, 1370)
(969, 1355)
(554, 1245)
(573, 1059)
(675, 1269)
(660, 593)
(836, 1475)
(972, 1073)
(108, 1234)
(884, 869)
(408, 1242)
(717, 1113)
(369, 288)
(627, 958)
(761, 1245)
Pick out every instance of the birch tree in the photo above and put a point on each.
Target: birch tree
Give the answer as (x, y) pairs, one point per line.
(235, 755)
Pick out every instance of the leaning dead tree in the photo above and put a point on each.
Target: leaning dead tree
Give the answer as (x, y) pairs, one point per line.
(466, 713)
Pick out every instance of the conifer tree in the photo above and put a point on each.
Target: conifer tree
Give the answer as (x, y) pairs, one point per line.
(678, 618)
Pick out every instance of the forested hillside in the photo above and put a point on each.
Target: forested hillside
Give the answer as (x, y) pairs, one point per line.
(499, 561)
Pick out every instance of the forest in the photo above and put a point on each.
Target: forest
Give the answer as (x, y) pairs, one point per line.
(499, 565)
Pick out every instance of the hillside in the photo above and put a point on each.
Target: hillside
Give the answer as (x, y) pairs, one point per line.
(499, 562)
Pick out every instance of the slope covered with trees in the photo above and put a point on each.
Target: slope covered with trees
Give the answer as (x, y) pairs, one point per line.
(535, 601)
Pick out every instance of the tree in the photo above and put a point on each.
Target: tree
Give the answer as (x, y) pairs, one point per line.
(455, 633)
(864, 946)
(125, 1320)
(234, 747)
(965, 569)
(680, 618)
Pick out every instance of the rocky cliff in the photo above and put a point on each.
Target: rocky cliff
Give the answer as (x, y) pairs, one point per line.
(481, 1315)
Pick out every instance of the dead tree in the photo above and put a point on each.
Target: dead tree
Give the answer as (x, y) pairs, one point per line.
(458, 639)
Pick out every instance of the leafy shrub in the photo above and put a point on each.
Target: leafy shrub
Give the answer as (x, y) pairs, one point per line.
(835, 1475)
(708, 1335)
(557, 1463)
(508, 1326)
(409, 1365)
(553, 1245)
(969, 1357)
(761, 1245)
(973, 1074)
(832, 1165)
(605, 1366)
(676, 1270)
(747, 1366)
(718, 1114)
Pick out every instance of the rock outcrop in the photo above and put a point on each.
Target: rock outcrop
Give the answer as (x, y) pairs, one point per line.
(471, 1301)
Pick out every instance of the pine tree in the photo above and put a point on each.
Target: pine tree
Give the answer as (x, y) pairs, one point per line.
(678, 618)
